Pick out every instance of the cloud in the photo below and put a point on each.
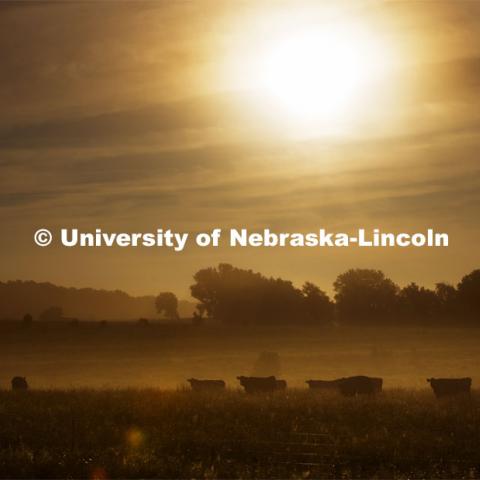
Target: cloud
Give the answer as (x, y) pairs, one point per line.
(111, 120)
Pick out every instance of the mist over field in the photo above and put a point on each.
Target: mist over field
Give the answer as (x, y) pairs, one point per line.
(163, 357)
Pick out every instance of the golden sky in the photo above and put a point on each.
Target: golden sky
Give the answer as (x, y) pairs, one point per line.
(128, 116)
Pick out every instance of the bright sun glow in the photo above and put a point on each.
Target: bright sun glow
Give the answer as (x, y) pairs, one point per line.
(321, 74)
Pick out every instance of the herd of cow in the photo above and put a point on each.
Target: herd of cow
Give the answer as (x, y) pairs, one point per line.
(348, 386)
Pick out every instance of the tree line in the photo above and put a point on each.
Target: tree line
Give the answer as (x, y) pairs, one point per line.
(237, 296)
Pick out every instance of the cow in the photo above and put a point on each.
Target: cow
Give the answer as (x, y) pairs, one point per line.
(206, 385)
(360, 385)
(446, 387)
(262, 384)
(19, 383)
(349, 386)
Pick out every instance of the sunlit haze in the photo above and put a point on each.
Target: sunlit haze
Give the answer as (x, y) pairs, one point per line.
(189, 116)
(321, 75)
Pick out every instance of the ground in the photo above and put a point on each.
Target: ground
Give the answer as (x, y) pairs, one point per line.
(154, 434)
(112, 401)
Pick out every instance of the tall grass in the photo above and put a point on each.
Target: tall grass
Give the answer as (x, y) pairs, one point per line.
(141, 433)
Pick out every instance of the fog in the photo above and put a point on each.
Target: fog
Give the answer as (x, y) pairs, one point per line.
(91, 354)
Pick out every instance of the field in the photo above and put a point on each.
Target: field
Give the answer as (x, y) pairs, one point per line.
(154, 434)
(161, 356)
(111, 401)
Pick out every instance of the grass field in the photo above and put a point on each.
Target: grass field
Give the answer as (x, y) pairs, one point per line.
(153, 434)
(111, 402)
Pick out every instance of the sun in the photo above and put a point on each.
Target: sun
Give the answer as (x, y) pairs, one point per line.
(320, 74)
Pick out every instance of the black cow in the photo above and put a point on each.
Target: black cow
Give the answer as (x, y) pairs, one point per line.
(19, 383)
(261, 384)
(349, 386)
(360, 385)
(446, 387)
(206, 385)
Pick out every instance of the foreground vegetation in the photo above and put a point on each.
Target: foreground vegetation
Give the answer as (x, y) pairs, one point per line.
(177, 434)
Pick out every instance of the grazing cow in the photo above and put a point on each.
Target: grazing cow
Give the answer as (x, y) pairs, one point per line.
(445, 387)
(19, 383)
(261, 384)
(360, 385)
(206, 385)
(349, 386)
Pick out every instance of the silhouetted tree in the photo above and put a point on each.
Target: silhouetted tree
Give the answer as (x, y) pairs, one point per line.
(418, 303)
(447, 297)
(207, 289)
(167, 304)
(18, 297)
(318, 305)
(363, 294)
(469, 295)
(234, 295)
(51, 314)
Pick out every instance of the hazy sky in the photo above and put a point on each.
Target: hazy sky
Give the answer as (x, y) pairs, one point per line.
(128, 116)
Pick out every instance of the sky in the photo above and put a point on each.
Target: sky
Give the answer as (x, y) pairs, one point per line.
(133, 116)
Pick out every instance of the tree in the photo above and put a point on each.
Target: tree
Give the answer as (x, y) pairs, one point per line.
(417, 302)
(469, 294)
(206, 290)
(447, 296)
(51, 314)
(27, 320)
(318, 305)
(167, 304)
(237, 296)
(363, 294)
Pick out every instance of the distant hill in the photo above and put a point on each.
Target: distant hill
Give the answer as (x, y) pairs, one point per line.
(20, 297)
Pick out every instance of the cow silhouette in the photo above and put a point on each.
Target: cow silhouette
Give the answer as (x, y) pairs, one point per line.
(261, 384)
(446, 387)
(349, 386)
(19, 383)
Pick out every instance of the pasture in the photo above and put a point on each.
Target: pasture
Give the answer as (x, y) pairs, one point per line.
(113, 401)
(124, 355)
(146, 433)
